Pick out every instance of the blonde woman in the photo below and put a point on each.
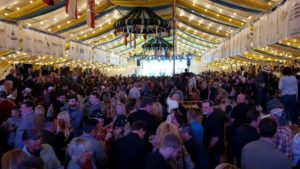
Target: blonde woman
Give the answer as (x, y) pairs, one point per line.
(80, 151)
(120, 109)
(157, 112)
(39, 117)
(183, 159)
(64, 134)
(162, 130)
(11, 159)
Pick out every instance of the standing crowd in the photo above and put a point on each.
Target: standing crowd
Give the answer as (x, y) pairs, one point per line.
(77, 120)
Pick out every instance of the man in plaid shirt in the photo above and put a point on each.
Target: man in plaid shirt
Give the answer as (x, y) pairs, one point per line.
(283, 137)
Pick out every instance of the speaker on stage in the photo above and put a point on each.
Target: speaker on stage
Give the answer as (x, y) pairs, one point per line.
(188, 62)
(138, 62)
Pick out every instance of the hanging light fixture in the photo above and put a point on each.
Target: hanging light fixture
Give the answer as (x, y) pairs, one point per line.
(141, 20)
(159, 46)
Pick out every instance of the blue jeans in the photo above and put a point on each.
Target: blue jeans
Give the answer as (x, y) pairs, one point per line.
(290, 102)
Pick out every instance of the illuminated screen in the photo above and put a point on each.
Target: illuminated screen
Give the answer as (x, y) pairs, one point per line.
(162, 67)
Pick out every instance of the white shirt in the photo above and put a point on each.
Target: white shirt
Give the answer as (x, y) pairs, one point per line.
(134, 92)
(288, 85)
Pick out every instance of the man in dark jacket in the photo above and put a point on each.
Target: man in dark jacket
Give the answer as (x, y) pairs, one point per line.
(143, 114)
(129, 151)
(246, 134)
(195, 149)
(171, 145)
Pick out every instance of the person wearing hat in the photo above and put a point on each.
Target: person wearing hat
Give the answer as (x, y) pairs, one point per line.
(262, 83)
(33, 147)
(122, 127)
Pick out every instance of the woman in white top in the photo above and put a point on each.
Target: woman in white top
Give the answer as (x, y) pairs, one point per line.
(289, 91)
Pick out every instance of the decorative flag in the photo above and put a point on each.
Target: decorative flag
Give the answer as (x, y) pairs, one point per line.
(283, 21)
(2, 36)
(49, 2)
(90, 13)
(272, 31)
(12, 37)
(263, 31)
(294, 19)
(71, 8)
(256, 32)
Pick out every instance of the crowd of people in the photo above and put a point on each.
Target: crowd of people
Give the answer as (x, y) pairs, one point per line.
(76, 120)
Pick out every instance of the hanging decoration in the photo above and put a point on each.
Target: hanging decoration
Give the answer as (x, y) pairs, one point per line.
(90, 13)
(157, 43)
(71, 8)
(49, 2)
(159, 46)
(141, 20)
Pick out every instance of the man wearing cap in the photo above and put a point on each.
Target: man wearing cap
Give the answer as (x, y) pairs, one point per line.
(33, 147)
(75, 114)
(99, 154)
(122, 126)
(129, 151)
(26, 122)
(144, 114)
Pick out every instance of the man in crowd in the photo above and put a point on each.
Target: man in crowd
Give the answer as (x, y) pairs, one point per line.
(75, 113)
(49, 131)
(26, 122)
(171, 145)
(94, 100)
(262, 154)
(144, 114)
(194, 148)
(129, 151)
(33, 147)
(134, 92)
(213, 124)
(99, 154)
(56, 105)
(197, 128)
(246, 134)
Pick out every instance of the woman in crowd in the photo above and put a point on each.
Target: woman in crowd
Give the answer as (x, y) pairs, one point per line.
(80, 151)
(12, 158)
(64, 134)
